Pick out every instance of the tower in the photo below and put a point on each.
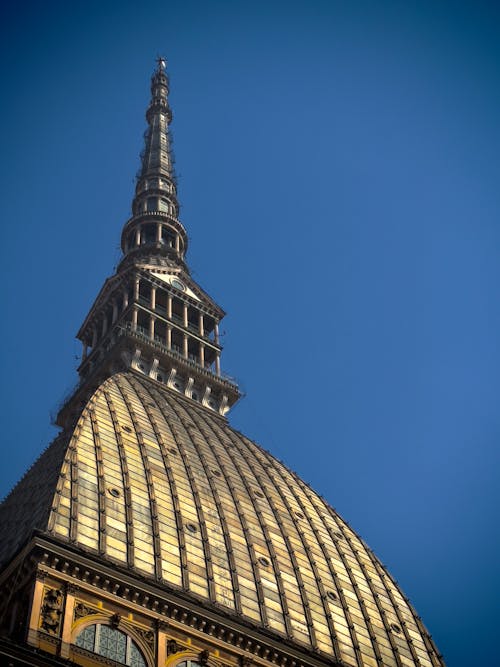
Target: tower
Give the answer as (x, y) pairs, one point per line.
(151, 533)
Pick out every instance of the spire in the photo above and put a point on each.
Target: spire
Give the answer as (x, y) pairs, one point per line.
(154, 228)
(157, 158)
(151, 316)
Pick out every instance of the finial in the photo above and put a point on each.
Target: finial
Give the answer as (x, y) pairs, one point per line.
(162, 63)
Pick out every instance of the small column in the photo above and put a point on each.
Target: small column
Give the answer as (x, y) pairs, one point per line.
(152, 321)
(94, 336)
(185, 346)
(36, 604)
(115, 312)
(202, 355)
(169, 336)
(185, 315)
(217, 363)
(178, 243)
(169, 306)
(138, 236)
(85, 350)
(161, 643)
(134, 319)
(216, 333)
(69, 607)
(201, 325)
(153, 298)
(125, 299)
(137, 282)
(104, 325)
(158, 233)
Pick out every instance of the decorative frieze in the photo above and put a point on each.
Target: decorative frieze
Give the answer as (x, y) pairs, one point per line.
(51, 612)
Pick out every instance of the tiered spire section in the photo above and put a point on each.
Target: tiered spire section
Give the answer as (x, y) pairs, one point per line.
(154, 227)
(151, 316)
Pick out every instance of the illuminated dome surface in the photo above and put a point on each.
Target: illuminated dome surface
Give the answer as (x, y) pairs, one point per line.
(152, 481)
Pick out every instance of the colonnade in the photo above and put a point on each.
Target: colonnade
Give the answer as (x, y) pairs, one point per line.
(151, 329)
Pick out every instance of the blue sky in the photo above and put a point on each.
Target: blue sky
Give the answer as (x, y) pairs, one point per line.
(338, 176)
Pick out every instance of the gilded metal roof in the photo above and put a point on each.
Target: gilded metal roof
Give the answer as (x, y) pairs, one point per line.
(158, 483)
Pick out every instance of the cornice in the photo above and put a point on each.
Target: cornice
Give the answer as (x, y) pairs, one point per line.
(179, 609)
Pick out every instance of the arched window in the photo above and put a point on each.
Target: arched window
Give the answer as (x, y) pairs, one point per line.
(111, 643)
(188, 663)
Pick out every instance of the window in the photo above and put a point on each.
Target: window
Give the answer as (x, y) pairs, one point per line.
(111, 643)
(188, 663)
(152, 204)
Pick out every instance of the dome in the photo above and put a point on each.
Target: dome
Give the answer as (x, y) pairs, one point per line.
(156, 483)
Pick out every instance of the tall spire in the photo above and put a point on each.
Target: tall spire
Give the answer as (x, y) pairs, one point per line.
(151, 316)
(155, 197)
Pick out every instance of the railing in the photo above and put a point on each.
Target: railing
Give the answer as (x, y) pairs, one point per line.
(174, 350)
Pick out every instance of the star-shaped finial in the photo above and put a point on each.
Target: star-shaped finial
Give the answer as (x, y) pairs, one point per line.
(162, 63)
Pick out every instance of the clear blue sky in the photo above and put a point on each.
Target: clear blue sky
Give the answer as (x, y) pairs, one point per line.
(338, 174)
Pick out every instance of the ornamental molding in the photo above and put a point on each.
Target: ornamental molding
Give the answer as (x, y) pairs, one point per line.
(177, 608)
(51, 611)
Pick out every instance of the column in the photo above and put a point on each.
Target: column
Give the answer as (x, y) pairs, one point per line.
(104, 325)
(161, 643)
(94, 336)
(169, 336)
(217, 363)
(178, 243)
(158, 233)
(152, 321)
(125, 299)
(69, 607)
(36, 604)
(185, 315)
(84, 350)
(138, 236)
(136, 289)
(201, 325)
(202, 355)
(153, 298)
(169, 306)
(185, 346)
(216, 333)
(134, 319)
(115, 312)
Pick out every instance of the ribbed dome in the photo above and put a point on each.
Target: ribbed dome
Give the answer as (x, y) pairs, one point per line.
(157, 483)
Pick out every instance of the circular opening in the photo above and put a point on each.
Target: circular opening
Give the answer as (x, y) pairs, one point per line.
(264, 561)
(172, 450)
(395, 627)
(258, 494)
(128, 429)
(141, 367)
(217, 473)
(177, 385)
(299, 515)
(333, 596)
(339, 536)
(191, 527)
(114, 492)
(178, 284)
(159, 378)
